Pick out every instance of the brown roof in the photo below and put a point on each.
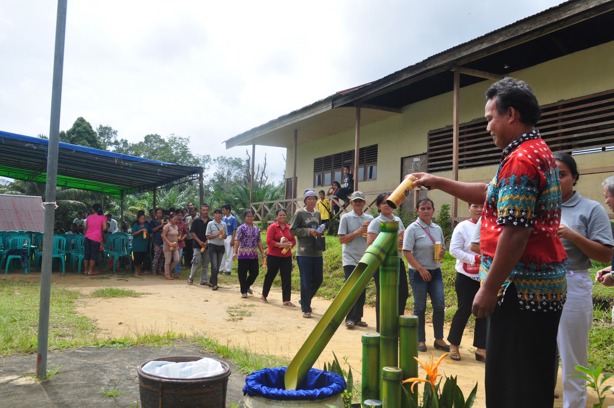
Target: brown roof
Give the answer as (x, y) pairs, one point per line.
(21, 213)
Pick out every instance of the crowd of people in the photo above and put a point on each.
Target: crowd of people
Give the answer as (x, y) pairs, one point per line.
(522, 255)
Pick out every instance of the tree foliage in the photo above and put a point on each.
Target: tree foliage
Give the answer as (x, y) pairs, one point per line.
(81, 133)
(226, 179)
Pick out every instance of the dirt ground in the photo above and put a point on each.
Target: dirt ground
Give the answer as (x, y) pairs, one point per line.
(266, 328)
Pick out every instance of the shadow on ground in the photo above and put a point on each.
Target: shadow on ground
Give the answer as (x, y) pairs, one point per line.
(89, 376)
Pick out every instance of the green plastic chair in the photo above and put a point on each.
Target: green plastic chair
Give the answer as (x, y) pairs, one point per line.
(118, 248)
(59, 250)
(77, 252)
(18, 248)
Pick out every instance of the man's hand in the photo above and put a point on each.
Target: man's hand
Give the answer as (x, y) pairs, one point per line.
(423, 179)
(484, 303)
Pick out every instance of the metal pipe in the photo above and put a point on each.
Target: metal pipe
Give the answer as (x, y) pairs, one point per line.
(50, 190)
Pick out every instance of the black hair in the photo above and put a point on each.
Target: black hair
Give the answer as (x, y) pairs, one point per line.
(98, 208)
(425, 200)
(336, 183)
(280, 210)
(570, 162)
(247, 212)
(204, 205)
(321, 192)
(227, 207)
(380, 199)
(517, 94)
(217, 211)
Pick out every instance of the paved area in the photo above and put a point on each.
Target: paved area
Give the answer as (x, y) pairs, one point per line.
(87, 376)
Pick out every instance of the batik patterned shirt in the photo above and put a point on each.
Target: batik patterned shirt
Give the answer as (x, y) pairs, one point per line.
(526, 193)
(248, 238)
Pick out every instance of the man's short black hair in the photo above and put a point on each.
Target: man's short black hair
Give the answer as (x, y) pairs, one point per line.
(517, 94)
(227, 207)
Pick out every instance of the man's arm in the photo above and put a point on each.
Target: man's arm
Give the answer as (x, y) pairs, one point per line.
(510, 247)
(471, 192)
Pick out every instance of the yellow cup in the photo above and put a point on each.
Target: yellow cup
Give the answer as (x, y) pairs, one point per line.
(437, 251)
(364, 234)
(401, 192)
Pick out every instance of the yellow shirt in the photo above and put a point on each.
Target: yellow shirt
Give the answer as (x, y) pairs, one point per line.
(323, 207)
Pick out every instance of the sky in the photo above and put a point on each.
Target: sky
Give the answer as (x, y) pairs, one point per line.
(210, 70)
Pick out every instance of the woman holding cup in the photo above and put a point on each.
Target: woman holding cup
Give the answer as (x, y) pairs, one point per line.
(586, 234)
(373, 230)
(423, 248)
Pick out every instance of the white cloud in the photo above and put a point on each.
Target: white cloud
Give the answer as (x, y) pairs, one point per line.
(211, 70)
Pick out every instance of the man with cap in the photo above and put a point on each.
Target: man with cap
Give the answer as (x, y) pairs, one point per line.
(305, 226)
(353, 238)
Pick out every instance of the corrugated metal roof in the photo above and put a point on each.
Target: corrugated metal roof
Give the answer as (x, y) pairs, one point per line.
(85, 168)
(21, 213)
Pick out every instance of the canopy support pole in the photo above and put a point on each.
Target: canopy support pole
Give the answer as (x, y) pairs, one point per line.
(49, 204)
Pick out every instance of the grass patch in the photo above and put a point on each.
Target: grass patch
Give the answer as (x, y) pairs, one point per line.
(236, 313)
(113, 393)
(115, 293)
(19, 313)
(245, 360)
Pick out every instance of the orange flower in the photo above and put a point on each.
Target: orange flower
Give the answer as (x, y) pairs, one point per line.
(431, 372)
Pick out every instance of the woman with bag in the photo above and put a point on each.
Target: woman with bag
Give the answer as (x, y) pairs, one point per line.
(306, 227)
(467, 284)
(423, 248)
(279, 259)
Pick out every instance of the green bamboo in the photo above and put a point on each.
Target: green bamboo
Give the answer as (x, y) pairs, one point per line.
(370, 366)
(339, 308)
(408, 349)
(391, 387)
(389, 301)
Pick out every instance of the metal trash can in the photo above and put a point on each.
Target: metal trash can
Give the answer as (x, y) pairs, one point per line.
(162, 392)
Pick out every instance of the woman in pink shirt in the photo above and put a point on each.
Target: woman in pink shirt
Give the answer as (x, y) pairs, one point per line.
(95, 226)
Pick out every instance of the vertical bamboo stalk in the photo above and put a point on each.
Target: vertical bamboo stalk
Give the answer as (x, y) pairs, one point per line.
(408, 349)
(391, 390)
(389, 302)
(370, 366)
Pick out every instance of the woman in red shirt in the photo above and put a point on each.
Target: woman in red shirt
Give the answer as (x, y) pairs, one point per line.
(279, 257)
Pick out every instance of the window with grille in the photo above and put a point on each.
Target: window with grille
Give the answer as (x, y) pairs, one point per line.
(330, 168)
(579, 125)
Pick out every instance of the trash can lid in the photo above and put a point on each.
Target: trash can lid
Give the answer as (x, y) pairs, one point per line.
(269, 383)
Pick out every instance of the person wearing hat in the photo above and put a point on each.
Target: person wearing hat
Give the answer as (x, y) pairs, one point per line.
(304, 226)
(353, 238)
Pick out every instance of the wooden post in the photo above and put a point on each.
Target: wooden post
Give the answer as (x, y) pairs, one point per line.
(356, 149)
(455, 140)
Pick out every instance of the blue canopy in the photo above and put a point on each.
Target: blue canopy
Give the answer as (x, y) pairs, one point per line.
(86, 168)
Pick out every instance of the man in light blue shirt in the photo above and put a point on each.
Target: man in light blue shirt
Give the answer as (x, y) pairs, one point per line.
(353, 238)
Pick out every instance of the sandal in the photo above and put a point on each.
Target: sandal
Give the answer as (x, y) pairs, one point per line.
(360, 323)
(288, 303)
(215, 287)
(307, 315)
(455, 354)
(349, 324)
